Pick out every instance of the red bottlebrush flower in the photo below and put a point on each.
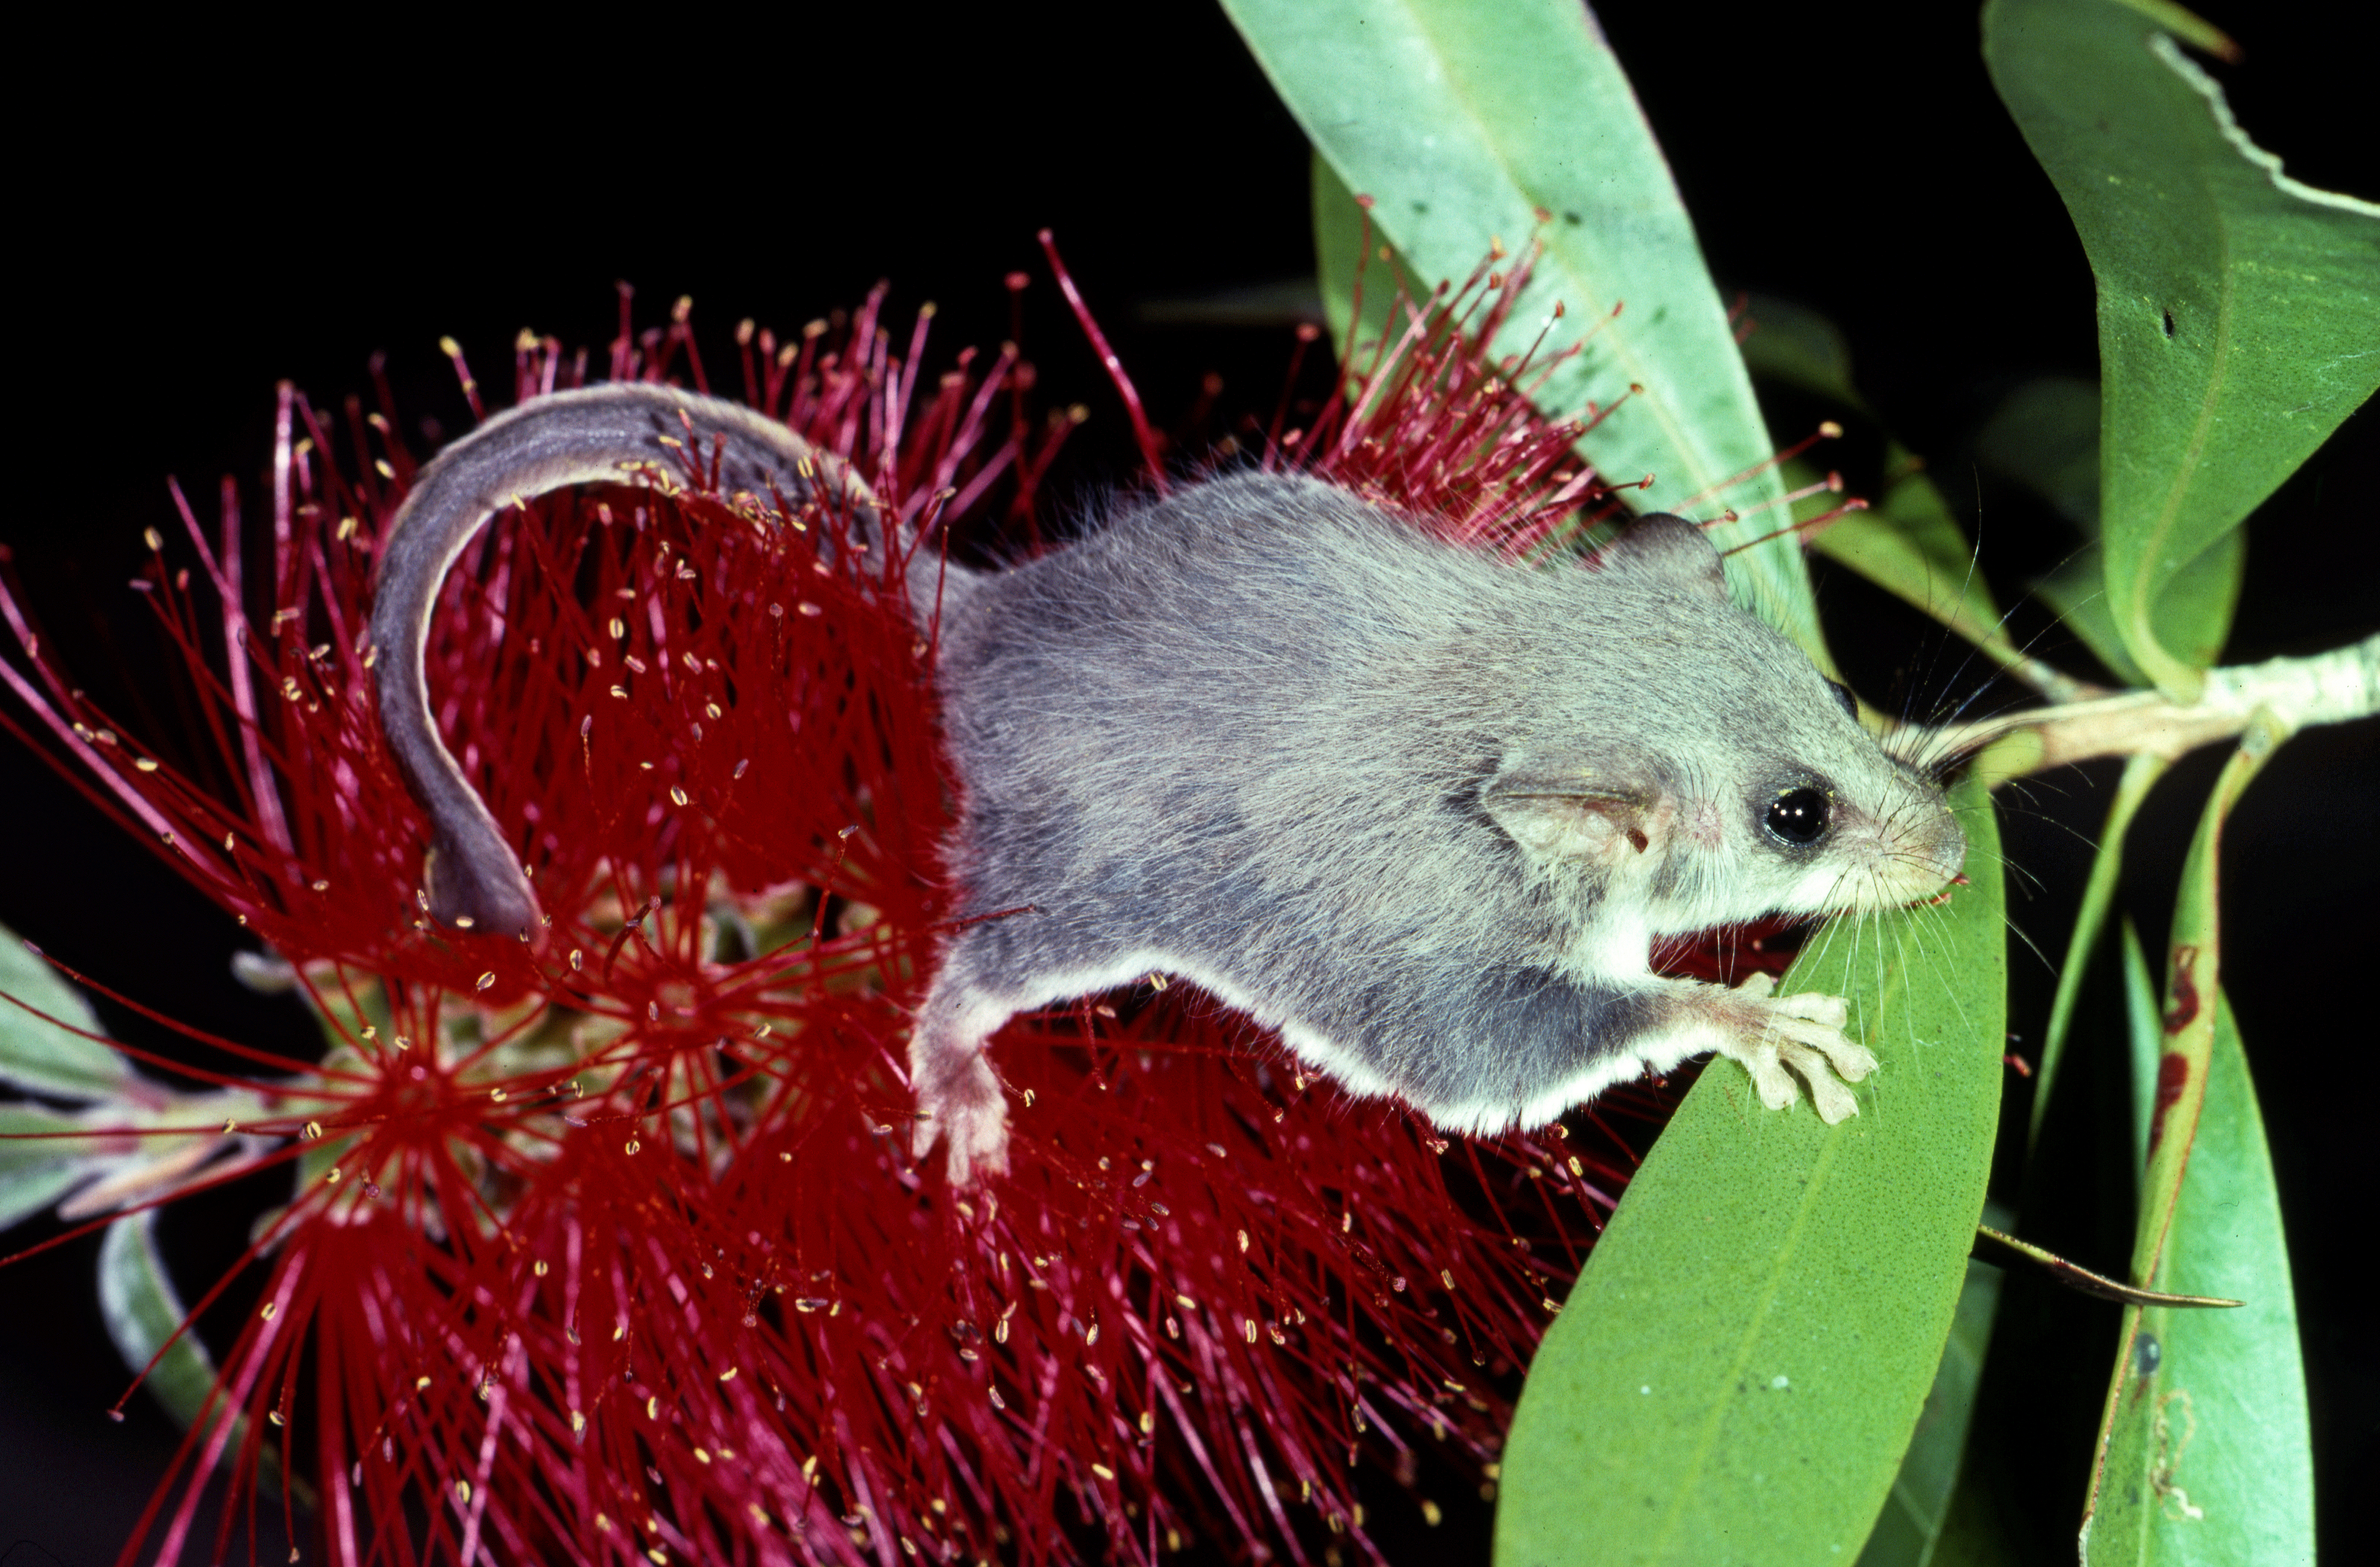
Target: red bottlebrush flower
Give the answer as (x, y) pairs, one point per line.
(1423, 421)
(610, 1246)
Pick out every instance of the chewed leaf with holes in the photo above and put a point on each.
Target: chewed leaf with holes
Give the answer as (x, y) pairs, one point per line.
(2238, 309)
(2226, 1456)
(1736, 1375)
(2203, 1451)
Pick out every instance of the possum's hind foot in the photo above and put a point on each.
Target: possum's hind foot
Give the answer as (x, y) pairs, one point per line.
(966, 1110)
(959, 1098)
(1804, 1033)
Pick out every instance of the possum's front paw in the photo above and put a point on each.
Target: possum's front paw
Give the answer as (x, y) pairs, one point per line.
(962, 1102)
(1805, 1033)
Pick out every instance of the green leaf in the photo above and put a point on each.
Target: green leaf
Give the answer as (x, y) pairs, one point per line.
(1465, 121)
(27, 1189)
(39, 1055)
(2139, 1506)
(1736, 1375)
(2238, 309)
(1919, 1507)
(2249, 1466)
(1975, 1534)
(2045, 436)
(2144, 1041)
(2078, 591)
(32, 1134)
(2141, 774)
(2192, 615)
(142, 1310)
(138, 1301)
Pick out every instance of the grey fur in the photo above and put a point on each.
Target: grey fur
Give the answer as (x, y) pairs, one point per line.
(1422, 810)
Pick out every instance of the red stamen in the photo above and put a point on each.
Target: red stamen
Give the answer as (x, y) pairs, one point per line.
(1150, 452)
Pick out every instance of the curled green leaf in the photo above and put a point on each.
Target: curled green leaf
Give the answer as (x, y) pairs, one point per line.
(2238, 308)
(144, 1313)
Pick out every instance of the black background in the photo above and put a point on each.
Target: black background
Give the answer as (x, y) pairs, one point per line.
(198, 214)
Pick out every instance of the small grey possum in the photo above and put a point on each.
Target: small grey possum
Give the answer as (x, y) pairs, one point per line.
(1424, 811)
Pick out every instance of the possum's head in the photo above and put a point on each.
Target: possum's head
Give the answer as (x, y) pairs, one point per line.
(1696, 764)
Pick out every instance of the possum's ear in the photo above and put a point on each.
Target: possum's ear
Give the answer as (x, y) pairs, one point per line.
(1671, 549)
(1599, 805)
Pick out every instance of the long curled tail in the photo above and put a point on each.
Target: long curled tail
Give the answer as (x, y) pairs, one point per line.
(596, 434)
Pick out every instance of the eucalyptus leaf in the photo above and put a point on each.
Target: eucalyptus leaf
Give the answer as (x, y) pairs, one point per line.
(2077, 590)
(2221, 1466)
(2192, 615)
(39, 1055)
(1738, 1371)
(1918, 1508)
(42, 1158)
(2233, 1465)
(2238, 308)
(2045, 437)
(1974, 1534)
(33, 1134)
(28, 1188)
(1465, 123)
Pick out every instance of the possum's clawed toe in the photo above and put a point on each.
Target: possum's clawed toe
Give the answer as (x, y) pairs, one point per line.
(1828, 1096)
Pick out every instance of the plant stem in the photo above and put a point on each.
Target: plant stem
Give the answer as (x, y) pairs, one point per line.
(2331, 687)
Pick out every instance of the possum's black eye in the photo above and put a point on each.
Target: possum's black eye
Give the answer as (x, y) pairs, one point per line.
(1798, 817)
(1843, 694)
